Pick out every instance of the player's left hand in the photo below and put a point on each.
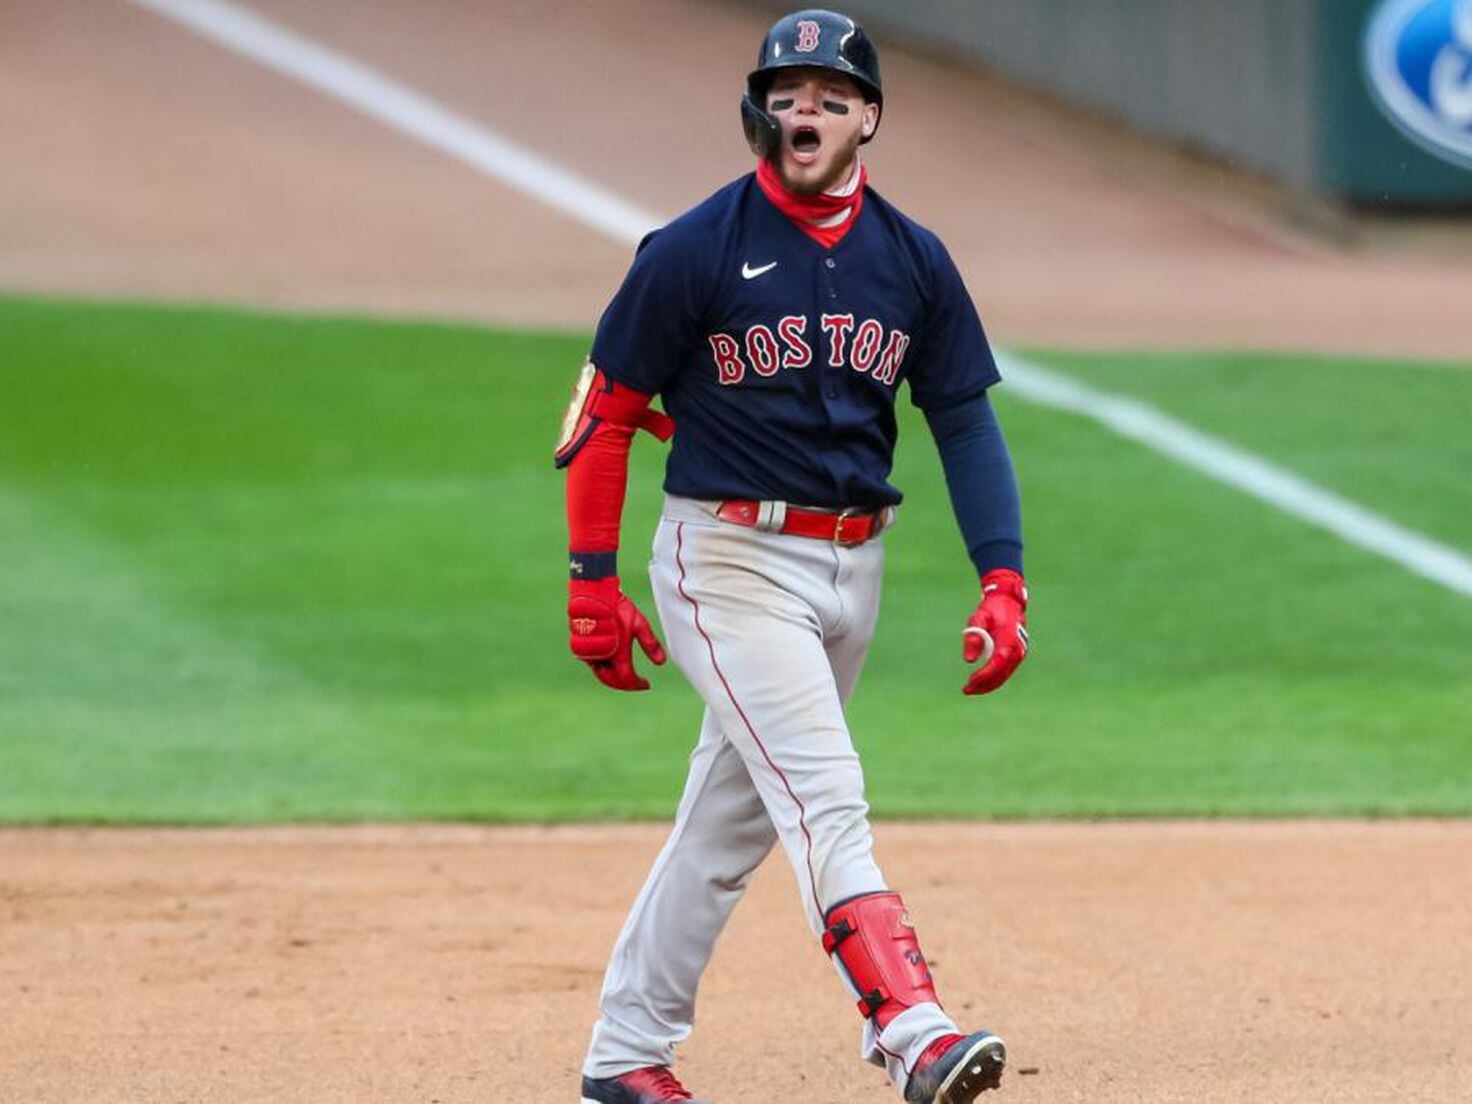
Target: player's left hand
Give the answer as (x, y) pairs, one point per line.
(996, 634)
(602, 627)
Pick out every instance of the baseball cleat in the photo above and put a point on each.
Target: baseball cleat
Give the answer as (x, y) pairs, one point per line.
(650, 1085)
(956, 1069)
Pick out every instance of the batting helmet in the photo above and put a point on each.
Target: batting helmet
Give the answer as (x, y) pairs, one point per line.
(814, 37)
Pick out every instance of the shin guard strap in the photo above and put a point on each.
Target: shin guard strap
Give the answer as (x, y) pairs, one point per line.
(874, 941)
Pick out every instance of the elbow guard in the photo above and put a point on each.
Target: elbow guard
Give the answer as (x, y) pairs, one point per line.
(597, 399)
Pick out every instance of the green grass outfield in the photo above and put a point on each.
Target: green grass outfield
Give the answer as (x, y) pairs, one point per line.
(271, 568)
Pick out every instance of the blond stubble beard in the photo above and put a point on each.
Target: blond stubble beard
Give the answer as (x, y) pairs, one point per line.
(845, 166)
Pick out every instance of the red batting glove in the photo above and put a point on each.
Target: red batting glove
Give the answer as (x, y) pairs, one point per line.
(996, 634)
(603, 625)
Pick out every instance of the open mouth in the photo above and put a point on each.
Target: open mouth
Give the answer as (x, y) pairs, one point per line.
(806, 141)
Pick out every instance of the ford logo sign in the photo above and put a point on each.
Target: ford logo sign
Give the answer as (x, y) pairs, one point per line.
(1418, 58)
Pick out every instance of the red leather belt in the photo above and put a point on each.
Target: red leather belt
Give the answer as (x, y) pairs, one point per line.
(843, 527)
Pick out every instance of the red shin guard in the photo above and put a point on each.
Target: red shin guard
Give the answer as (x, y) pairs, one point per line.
(874, 941)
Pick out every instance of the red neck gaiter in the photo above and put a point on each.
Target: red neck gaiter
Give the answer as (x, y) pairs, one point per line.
(808, 212)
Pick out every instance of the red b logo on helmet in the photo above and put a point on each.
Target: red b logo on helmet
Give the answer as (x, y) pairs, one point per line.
(807, 36)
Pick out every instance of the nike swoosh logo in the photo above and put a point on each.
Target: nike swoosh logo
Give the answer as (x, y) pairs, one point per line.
(749, 273)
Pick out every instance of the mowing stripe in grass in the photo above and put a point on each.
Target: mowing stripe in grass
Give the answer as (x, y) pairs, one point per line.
(239, 29)
(85, 625)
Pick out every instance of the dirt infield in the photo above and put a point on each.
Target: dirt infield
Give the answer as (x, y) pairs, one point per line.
(142, 161)
(1125, 962)
(1195, 963)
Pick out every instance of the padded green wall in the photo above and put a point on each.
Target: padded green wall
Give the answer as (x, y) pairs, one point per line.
(1276, 86)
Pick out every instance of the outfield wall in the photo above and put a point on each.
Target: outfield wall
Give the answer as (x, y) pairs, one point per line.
(1281, 87)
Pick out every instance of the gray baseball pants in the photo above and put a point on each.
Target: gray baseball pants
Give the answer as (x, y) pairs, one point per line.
(772, 631)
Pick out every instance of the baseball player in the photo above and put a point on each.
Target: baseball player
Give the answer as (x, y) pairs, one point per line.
(777, 321)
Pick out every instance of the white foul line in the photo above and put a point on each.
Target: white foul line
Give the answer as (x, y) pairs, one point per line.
(413, 114)
(1243, 470)
(409, 112)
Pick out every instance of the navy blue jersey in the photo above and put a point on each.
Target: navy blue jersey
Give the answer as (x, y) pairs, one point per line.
(779, 360)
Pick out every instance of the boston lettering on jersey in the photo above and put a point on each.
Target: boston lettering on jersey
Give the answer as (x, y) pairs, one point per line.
(868, 352)
(780, 360)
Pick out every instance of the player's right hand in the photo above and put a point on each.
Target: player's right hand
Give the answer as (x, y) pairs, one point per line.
(602, 627)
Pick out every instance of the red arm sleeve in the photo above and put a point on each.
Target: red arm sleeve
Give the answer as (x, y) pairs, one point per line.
(597, 479)
(597, 435)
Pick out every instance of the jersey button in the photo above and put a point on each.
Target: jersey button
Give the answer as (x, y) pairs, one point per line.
(831, 263)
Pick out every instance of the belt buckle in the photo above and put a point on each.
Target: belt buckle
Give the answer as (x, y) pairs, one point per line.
(844, 515)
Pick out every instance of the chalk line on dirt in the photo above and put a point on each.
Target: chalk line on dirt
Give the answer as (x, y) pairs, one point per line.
(411, 113)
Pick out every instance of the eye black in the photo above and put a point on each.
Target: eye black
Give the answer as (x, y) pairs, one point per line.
(781, 105)
(835, 108)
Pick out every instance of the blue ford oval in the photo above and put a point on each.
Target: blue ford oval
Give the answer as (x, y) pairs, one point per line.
(1418, 60)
